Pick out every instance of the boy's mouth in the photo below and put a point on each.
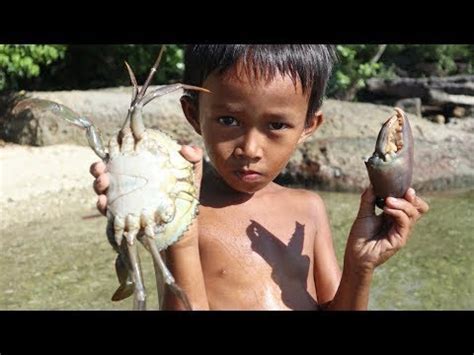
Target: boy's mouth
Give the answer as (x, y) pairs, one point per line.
(248, 175)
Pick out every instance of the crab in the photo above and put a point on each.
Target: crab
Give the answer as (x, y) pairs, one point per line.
(151, 197)
(390, 167)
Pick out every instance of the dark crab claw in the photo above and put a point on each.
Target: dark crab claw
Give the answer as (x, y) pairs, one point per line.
(390, 167)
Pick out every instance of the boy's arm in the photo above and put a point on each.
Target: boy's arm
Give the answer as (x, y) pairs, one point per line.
(327, 274)
(184, 262)
(183, 257)
(353, 291)
(349, 291)
(335, 291)
(372, 241)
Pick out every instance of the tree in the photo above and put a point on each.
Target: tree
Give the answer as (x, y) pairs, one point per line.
(19, 62)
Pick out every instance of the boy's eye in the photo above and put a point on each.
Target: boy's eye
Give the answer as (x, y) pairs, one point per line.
(277, 126)
(228, 121)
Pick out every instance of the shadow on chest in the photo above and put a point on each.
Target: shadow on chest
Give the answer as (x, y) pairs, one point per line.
(285, 253)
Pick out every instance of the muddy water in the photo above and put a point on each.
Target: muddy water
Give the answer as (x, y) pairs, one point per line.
(66, 262)
(435, 271)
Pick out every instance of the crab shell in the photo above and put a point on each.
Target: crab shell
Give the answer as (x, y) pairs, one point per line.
(151, 188)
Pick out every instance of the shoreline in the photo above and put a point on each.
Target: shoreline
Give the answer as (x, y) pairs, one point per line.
(43, 183)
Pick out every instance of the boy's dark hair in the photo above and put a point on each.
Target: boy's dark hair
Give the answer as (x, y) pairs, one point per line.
(310, 63)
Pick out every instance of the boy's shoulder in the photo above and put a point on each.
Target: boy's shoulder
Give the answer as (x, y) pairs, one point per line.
(302, 197)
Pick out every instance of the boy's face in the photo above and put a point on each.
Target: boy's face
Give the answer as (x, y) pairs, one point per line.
(250, 128)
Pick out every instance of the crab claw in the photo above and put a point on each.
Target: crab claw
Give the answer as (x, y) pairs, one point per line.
(93, 134)
(62, 111)
(136, 123)
(390, 167)
(127, 286)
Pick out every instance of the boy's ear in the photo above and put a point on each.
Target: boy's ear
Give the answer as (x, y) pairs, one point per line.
(312, 125)
(190, 110)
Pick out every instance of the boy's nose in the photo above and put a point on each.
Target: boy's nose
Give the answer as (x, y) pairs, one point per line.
(249, 148)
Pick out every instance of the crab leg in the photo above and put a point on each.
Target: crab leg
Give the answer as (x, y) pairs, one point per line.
(92, 132)
(122, 264)
(139, 100)
(137, 95)
(136, 123)
(134, 82)
(96, 143)
(139, 300)
(168, 277)
(150, 75)
(160, 284)
(135, 112)
(168, 89)
(148, 220)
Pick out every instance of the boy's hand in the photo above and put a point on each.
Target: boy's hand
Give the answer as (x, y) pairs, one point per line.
(194, 155)
(101, 183)
(373, 239)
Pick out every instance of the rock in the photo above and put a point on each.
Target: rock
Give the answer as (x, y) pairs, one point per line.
(441, 98)
(420, 87)
(459, 112)
(439, 119)
(411, 105)
(437, 94)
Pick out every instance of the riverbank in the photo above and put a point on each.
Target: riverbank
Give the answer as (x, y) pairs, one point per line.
(332, 159)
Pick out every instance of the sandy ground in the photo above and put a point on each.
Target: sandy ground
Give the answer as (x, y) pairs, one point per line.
(39, 180)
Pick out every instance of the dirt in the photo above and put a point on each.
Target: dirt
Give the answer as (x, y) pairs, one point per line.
(43, 181)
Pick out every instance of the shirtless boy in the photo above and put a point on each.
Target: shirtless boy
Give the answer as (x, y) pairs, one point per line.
(255, 244)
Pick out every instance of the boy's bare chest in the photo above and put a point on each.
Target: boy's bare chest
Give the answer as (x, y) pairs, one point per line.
(261, 254)
(254, 239)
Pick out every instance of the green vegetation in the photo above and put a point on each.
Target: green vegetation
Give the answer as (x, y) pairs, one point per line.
(84, 67)
(66, 67)
(357, 63)
(20, 62)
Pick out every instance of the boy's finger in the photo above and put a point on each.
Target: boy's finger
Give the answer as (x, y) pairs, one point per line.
(367, 203)
(421, 205)
(102, 204)
(401, 219)
(410, 195)
(97, 168)
(402, 204)
(101, 184)
(192, 154)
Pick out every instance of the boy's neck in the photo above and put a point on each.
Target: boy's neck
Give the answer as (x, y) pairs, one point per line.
(216, 192)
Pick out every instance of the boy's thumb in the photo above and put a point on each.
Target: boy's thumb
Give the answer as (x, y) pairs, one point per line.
(191, 153)
(367, 203)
